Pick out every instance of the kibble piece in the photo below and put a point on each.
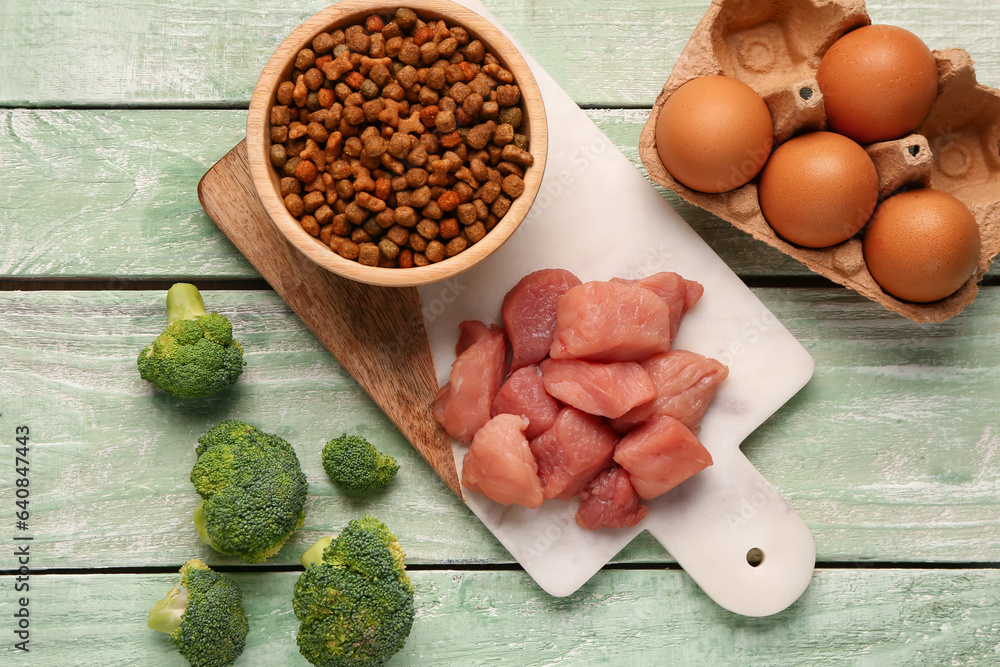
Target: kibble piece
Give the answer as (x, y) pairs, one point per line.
(313, 79)
(398, 235)
(445, 121)
(317, 132)
(475, 232)
(306, 171)
(278, 155)
(448, 228)
(474, 51)
(405, 259)
(357, 39)
(374, 23)
(355, 213)
(500, 206)
(434, 251)
(368, 254)
(511, 115)
(508, 95)
(290, 185)
(372, 228)
(310, 225)
(405, 216)
(369, 202)
(388, 249)
(428, 52)
(324, 214)
(513, 186)
(300, 91)
(409, 54)
(406, 18)
(428, 229)
(513, 153)
(488, 192)
(375, 146)
(503, 135)
(420, 197)
(419, 259)
(326, 233)
(455, 246)
(490, 111)
(432, 211)
(480, 135)
(359, 235)
(284, 96)
(281, 114)
(312, 201)
(417, 242)
(466, 214)
(293, 203)
(323, 43)
(393, 44)
(385, 218)
(305, 59)
(482, 210)
(448, 201)
(344, 247)
(369, 89)
(508, 168)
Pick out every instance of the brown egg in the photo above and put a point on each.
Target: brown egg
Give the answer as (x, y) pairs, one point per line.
(878, 83)
(818, 189)
(714, 133)
(922, 245)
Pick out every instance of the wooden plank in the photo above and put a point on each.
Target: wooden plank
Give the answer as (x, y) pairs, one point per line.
(125, 52)
(120, 188)
(642, 617)
(889, 453)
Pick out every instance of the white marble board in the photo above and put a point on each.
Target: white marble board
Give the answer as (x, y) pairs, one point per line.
(598, 217)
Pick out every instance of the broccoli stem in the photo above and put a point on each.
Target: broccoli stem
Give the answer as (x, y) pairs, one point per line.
(166, 614)
(314, 554)
(184, 302)
(200, 524)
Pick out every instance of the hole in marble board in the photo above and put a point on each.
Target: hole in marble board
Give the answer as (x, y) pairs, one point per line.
(805, 93)
(755, 557)
(914, 150)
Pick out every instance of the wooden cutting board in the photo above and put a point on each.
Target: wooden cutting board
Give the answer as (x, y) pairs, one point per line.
(376, 333)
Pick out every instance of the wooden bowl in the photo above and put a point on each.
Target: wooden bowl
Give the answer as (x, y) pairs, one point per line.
(266, 179)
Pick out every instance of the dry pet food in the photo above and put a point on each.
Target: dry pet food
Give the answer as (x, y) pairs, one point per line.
(399, 141)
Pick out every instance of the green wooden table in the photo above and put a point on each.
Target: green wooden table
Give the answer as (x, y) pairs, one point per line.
(113, 110)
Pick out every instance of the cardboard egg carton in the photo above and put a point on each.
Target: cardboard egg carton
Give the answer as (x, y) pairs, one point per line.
(775, 48)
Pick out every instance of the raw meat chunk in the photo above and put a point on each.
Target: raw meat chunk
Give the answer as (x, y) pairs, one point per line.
(661, 454)
(500, 466)
(609, 501)
(609, 390)
(529, 313)
(577, 447)
(462, 405)
(610, 321)
(676, 291)
(524, 394)
(685, 383)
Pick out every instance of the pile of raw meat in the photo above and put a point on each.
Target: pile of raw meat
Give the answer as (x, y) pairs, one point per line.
(595, 404)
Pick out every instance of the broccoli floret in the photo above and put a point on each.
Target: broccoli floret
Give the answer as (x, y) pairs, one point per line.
(203, 614)
(354, 601)
(196, 355)
(253, 491)
(355, 464)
